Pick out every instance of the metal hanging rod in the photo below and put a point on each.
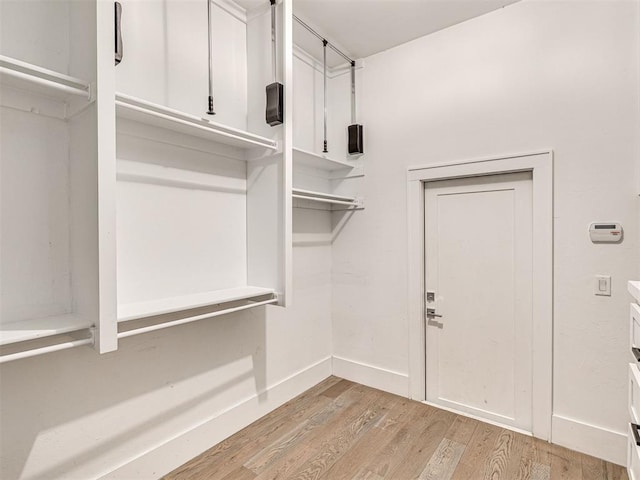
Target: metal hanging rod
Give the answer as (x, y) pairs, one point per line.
(329, 44)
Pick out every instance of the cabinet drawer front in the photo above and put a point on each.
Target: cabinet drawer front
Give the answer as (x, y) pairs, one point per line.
(634, 393)
(633, 456)
(634, 319)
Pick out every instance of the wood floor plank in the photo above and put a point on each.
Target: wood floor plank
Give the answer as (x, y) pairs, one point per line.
(350, 464)
(337, 389)
(366, 474)
(565, 464)
(513, 454)
(593, 468)
(282, 467)
(340, 430)
(462, 429)
(476, 455)
(444, 461)
(336, 446)
(536, 450)
(344, 406)
(496, 467)
(422, 448)
(615, 472)
(240, 473)
(391, 454)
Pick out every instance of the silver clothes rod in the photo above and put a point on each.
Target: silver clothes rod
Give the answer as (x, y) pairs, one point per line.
(48, 349)
(325, 200)
(329, 44)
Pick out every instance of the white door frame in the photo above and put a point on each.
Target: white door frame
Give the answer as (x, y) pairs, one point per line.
(541, 166)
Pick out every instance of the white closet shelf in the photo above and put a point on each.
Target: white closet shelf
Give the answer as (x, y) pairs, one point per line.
(138, 310)
(33, 78)
(24, 330)
(160, 116)
(319, 161)
(634, 289)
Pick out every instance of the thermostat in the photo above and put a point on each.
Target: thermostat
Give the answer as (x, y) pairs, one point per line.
(605, 232)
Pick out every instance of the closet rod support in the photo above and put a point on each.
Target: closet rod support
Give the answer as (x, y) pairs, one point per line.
(330, 45)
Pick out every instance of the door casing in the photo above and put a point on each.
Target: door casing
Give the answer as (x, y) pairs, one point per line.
(540, 164)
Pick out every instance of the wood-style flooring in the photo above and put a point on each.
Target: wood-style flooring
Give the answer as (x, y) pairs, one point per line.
(340, 430)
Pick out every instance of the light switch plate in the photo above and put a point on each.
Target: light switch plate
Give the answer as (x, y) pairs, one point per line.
(602, 285)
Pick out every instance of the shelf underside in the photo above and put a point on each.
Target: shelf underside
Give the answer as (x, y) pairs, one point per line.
(319, 161)
(159, 116)
(134, 311)
(32, 329)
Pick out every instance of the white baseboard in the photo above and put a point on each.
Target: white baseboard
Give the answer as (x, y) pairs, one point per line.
(372, 376)
(175, 452)
(592, 440)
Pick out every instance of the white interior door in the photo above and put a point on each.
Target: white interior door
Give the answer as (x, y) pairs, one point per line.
(478, 242)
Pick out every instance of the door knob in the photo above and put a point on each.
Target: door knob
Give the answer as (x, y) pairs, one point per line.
(431, 312)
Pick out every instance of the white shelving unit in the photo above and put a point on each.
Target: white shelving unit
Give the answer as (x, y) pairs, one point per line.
(49, 285)
(323, 180)
(220, 241)
(123, 203)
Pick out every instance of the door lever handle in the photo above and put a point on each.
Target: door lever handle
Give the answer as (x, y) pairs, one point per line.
(431, 312)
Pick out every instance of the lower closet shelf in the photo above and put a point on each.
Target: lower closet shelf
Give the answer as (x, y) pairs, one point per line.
(138, 310)
(22, 331)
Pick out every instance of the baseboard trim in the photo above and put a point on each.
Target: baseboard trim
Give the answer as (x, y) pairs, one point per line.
(590, 439)
(372, 376)
(174, 452)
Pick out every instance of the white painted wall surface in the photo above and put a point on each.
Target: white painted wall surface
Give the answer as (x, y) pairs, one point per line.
(78, 415)
(165, 48)
(534, 75)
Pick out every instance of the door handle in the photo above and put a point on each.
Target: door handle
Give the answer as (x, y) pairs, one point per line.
(431, 312)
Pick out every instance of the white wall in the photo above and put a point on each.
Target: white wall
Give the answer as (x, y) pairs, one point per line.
(534, 75)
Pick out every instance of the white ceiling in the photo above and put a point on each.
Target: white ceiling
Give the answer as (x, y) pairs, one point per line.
(363, 27)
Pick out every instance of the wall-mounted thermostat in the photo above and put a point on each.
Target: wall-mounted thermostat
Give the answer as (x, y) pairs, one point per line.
(605, 232)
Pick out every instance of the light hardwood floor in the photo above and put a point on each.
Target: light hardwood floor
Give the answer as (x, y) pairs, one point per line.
(341, 430)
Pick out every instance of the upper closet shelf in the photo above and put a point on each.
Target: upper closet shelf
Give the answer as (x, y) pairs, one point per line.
(315, 160)
(160, 116)
(134, 311)
(32, 78)
(41, 327)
